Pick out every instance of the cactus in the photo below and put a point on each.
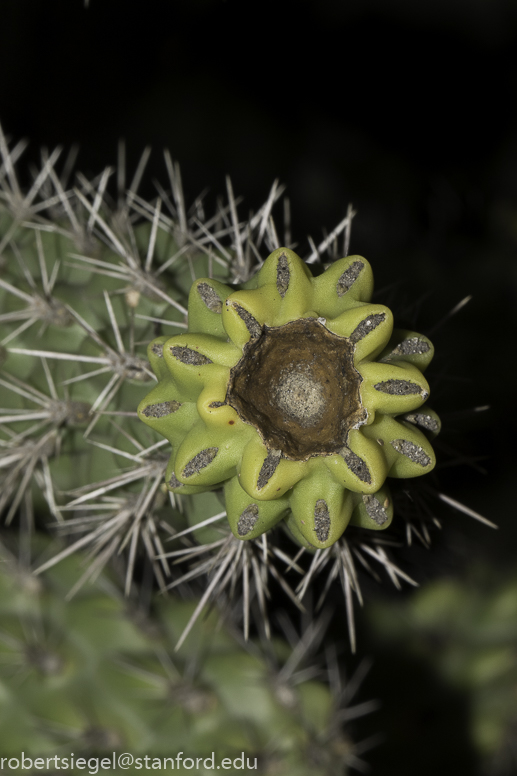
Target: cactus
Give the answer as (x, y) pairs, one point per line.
(90, 277)
(96, 675)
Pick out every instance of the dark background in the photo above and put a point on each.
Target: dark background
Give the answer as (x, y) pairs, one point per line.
(406, 109)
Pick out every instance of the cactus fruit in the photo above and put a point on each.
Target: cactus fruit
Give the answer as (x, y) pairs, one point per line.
(295, 393)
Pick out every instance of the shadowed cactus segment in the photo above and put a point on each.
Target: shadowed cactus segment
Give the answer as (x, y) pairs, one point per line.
(97, 675)
(296, 394)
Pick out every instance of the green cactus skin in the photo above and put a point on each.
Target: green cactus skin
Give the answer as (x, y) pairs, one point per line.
(296, 394)
(96, 675)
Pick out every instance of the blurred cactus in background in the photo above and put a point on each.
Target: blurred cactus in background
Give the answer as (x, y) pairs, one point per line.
(96, 674)
(465, 630)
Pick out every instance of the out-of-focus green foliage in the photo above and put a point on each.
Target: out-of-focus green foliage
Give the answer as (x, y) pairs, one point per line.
(465, 630)
(95, 675)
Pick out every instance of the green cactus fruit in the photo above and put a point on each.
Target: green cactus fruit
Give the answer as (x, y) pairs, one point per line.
(296, 394)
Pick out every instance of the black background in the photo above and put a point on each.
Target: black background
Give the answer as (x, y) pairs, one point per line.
(406, 109)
